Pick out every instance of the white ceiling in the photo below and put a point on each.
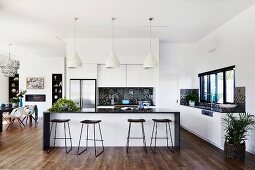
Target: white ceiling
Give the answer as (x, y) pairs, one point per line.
(34, 24)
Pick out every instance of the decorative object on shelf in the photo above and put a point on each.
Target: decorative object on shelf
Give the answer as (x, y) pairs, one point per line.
(35, 98)
(20, 95)
(9, 66)
(55, 78)
(14, 101)
(35, 83)
(64, 105)
(56, 97)
(112, 61)
(193, 98)
(237, 128)
(14, 90)
(150, 60)
(74, 60)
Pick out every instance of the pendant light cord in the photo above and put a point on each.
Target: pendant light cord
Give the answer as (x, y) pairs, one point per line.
(113, 31)
(150, 19)
(75, 20)
(10, 51)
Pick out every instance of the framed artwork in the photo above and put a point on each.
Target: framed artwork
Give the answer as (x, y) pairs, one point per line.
(35, 83)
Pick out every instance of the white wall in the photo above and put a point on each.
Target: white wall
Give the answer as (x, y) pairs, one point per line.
(233, 44)
(40, 67)
(176, 63)
(4, 94)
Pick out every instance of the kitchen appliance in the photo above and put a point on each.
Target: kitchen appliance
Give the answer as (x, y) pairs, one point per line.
(83, 92)
(125, 101)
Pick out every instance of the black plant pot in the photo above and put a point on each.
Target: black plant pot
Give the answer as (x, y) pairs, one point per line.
(234, 151)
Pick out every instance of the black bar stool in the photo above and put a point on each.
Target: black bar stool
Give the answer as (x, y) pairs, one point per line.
(57, 121)
(167, 123)
(92, 122)
(143, 137)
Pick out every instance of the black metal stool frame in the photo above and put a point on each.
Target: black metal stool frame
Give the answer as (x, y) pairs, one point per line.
(143, 137)
(155, 136)
(87, 139)
(67, 151)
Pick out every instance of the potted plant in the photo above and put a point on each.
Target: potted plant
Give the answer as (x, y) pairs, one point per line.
(237, 128)
(14, 101)
(193, 98)
(64, 105)
(20, 95)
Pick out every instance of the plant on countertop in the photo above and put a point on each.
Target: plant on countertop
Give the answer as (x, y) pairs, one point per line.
(14, 100)
(237, 128)
(64, 105)
(193, 97)
(21, 93)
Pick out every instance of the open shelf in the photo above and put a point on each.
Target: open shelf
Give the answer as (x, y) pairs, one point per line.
(57, 91)
(13, 86)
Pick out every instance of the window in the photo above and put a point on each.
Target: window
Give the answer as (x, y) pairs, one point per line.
(218, 85)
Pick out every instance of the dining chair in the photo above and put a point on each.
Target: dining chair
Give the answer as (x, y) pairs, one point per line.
(29, 111)
(16, 115)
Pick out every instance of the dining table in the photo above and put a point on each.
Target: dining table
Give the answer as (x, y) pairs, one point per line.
(9, 109)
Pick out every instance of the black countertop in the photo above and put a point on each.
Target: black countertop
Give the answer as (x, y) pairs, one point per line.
(118, 110)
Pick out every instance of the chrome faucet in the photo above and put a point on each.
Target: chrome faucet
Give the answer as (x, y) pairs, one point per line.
(211, 99)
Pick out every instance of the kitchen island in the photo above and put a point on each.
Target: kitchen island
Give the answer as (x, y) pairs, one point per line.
(114, 125)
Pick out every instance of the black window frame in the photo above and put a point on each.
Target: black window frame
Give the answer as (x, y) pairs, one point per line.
(215, 72)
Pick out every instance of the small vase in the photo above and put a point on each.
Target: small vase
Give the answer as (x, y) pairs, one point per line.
(20, 102)
(14, 105)
(191, 103)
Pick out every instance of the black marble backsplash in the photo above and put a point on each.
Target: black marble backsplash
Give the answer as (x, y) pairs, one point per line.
(115, 95)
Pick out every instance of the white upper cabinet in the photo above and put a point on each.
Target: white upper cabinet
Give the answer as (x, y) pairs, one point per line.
(126, 75)
(103, 76)
(133, 75)
(111, 77)
(118, 76)
(148, 77)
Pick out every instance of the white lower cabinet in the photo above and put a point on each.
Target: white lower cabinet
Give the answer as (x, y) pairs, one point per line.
(207, 127)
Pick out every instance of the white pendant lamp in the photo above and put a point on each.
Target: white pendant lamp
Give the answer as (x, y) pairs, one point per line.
(150, 60)
(112, 61)
(74, 60)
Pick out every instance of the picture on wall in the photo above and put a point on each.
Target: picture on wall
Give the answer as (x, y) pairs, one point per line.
(35, 83)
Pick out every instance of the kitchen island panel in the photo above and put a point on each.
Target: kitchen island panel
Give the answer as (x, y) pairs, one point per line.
(114, 127)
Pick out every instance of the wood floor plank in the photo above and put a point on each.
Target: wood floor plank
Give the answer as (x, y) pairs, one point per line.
(22, 149)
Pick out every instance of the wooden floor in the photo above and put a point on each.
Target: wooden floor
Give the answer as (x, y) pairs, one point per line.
(22, 149)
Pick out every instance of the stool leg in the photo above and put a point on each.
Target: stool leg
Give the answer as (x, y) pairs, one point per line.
(87, 137)
(80, 140)
(95, 139)
(171, 137)
(65, 136)
(49, 137)
(48, 151)
(156, 132)
(166, 135)
(128, 135)
(152, 135)
(144, 140)
(65, 139)
(70, 135)
(101, 139)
